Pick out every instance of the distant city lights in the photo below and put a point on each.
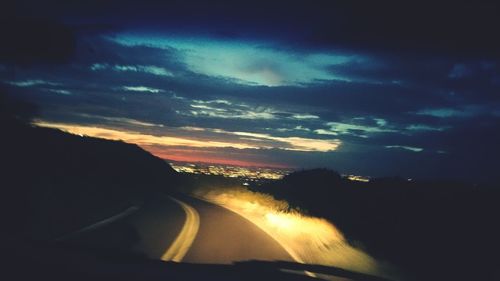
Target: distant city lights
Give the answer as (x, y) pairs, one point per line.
(357, 178)
(250, 173)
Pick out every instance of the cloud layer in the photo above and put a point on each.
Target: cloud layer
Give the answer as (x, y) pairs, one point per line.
(263, 101)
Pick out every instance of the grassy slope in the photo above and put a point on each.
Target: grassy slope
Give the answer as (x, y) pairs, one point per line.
(440, 229)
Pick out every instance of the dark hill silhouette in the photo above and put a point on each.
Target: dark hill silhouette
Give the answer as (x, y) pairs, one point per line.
(435, 230)
(53, 182)
(308, 188)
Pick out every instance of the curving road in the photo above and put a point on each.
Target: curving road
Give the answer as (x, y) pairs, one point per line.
(186, 229)
(225, 237)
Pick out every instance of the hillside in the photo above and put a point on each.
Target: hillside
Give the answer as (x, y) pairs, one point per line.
(53, 183)
(427, 228)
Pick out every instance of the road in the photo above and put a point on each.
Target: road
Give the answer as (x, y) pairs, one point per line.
(189, 230)
(225, 237)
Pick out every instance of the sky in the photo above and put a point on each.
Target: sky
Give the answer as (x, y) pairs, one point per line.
(380, 89)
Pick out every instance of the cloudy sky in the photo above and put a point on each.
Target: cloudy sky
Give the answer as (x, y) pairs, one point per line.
(379, 90)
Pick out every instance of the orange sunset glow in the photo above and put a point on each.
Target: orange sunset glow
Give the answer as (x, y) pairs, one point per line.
(196, 149)
(189, 155)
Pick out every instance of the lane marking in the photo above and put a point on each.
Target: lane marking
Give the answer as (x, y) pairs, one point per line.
(186, 237)
(101, 223)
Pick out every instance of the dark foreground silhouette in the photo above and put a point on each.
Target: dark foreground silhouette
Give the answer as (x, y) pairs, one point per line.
(64, 262)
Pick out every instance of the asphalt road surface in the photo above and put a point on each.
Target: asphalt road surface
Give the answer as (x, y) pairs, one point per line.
(224, 237)
(185, 229)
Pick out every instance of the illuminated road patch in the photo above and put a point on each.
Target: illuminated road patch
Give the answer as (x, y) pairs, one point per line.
(307, 239)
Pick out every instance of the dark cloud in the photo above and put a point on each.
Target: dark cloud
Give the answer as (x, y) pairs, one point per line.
(444, 28)
(31, 41)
